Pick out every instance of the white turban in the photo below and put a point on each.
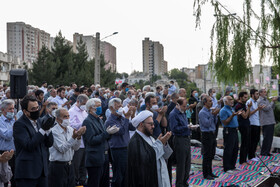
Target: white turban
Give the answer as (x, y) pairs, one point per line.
(141, 117)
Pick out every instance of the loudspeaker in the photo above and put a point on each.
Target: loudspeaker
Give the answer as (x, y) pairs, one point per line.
(18, 83)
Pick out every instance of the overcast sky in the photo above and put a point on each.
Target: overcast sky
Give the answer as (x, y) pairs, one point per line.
(170, 22)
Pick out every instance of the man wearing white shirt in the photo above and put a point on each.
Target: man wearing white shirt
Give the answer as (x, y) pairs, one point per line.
(133, 102)
(254, 124)
(44, 87)
(66, 141)
(77, 115)
(129, 95)
(60, 99)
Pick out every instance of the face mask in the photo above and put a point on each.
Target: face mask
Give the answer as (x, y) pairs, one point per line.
(196, 94)
(98, 111)
(214, 94)
(133, 97)
(34, 115)
(126, 90)
(83, 107)
(120, 111)
(10, 115)
(53, 113)
(154, 107)
(231, 93)
(65, 123)
(105, 96)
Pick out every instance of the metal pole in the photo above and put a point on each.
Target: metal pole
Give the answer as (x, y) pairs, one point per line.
(97, 59)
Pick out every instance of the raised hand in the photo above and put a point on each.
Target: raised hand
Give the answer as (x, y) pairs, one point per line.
(46, 125)
(165, 138)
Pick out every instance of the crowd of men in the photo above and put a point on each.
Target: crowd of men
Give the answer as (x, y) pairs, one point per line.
(68, 135)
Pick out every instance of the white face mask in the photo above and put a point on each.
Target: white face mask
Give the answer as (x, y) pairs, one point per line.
(120, 111)
(214, 94)
(65, 123)
(154, 107)
(53, 113)
(83, 107)
(133, 97)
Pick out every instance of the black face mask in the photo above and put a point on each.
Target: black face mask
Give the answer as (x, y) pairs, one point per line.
(34, 115)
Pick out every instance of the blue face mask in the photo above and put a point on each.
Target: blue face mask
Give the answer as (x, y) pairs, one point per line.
(10, 115)
(98, 111)
(231, 93)
(126, 90)
(196, 95)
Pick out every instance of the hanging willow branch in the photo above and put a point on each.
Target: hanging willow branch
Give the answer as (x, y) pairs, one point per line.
(232, 36)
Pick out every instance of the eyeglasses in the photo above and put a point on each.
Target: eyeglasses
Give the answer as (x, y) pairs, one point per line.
(54, 108)
(150, 123)
(33, 109)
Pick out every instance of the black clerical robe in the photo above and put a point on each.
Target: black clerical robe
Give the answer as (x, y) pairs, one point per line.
(142, 165)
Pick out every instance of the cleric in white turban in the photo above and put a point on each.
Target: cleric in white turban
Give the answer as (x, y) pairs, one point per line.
(146, 164)
(141, 117)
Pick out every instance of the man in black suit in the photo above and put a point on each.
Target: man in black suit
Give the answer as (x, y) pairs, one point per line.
(32, 139)
(96, 145)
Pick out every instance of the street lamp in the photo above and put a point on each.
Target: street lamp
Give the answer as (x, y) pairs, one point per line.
(97, 57)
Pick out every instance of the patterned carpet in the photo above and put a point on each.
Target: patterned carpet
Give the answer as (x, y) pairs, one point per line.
(250, 175)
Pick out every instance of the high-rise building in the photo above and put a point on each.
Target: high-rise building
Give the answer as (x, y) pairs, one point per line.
(25, 41)
(107, 49)
(153, 58)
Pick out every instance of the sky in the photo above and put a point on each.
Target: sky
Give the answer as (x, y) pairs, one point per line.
(170, 22)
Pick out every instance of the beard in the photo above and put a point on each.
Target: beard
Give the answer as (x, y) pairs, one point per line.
(147, 132)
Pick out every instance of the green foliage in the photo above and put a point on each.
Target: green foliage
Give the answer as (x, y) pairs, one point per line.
(277, 130)
(177, 74)
(182, 80)
(232, 37)
(61, 66)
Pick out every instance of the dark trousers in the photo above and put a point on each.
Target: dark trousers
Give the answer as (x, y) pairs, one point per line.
(230, 148)
(171, 159)
(255, 138)
(40, 182)
(105, 177)
(61, 174)
(183, 159)
(79, 166)
(196, 134)
(119, 157)
(268, 131)
(208, 140)
(94, 176)
(245, 142)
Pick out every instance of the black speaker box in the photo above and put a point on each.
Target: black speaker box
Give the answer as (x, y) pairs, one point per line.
(18, 83)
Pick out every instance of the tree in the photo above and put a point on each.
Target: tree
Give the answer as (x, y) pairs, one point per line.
(63, 55)
(177, 74)
(233, 36)
(44, 62)
(82, 67)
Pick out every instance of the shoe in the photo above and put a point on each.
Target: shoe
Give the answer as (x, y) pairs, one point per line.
(230, 171)
(216, 157)
(215, 176)
(255, 159)
(208, 177)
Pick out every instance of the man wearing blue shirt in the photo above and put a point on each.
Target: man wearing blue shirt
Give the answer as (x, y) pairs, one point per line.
(172, 88)
(158, 114)
(7, 120)
(207, 122)
(119, 141)
(179, 126)
(229, 121)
